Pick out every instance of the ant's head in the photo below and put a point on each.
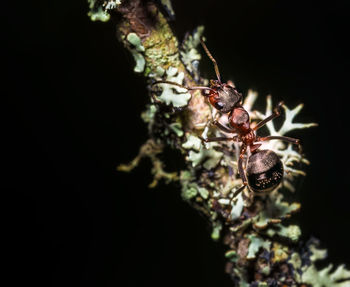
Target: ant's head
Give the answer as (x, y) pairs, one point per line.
(224, 97)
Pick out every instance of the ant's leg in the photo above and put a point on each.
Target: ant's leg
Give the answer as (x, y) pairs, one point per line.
(276, 113)
(238, 191)
(223, 128)
(241, 173)
(219, 139)
(240, 166)
(282, 138)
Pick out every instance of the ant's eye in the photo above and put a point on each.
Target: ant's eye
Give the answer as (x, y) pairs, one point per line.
(219, 105)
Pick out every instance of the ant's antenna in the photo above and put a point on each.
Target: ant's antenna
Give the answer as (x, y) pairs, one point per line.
(181, 86)
(213, 60)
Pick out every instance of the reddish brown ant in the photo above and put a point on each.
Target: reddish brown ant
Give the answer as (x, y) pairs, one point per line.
(264, 169)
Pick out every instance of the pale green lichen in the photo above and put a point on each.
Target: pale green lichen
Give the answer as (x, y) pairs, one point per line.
(256, 242)
(135, 41)
(288, 155)
(208, 158)
(99, 15)
(237, 207)
(186, 176)
(148, 115)
(217, 227)
(189, 188)
(291, 232)
(326, 278)
(111, 4)
(177, 128)
(160, 71)
(136, 52)
(275, 211)
(296, 262)
(189, 191)
(168, 7)
(231, 255)
(171, 94)
(188, 52)
(97, 12)
(192, 142)
(140, 61)
(309, 274)
(203, 192)
(317, 254)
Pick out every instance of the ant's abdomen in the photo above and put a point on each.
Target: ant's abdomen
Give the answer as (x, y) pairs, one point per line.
(264, 171)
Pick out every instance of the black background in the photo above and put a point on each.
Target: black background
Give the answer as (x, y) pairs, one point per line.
(72, 115)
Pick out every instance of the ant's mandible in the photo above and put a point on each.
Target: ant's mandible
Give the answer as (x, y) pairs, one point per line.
(264, 169)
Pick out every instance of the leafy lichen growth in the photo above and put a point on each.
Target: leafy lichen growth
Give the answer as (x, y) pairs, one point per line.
(208, 158)
(189, 54)
(169, 8)
(292, 232)
(111, 4)
(215, 234)
(136, 52)
(99, 9)
(276, 210)
(256, 242)
(192, 142)
(97, 13)
(340, 277)
(135, 41)
(173, 95)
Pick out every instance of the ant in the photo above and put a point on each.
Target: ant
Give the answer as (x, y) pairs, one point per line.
(264, 169)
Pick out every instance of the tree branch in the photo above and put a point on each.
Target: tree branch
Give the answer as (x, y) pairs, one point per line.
(263, 248)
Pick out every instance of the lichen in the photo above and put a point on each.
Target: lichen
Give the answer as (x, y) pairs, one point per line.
(289, 156)
(256, 242)
(237, 208)
(275, 211)
(189, 54)
(99, 9)
(192, 142)
(150, 149)
(140, 61)
(217, 227)
(168, 8)
(173, 95)
(135, 41)
(291, 232)
(208, 158)
(177, 128)
(136, 52)
(111, 4)
(96, 12)
(325, 277)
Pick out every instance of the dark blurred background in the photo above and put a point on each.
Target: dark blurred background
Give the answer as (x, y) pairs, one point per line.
(73, 106)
